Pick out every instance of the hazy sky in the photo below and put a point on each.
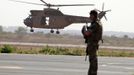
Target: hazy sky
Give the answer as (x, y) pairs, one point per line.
(119, 19)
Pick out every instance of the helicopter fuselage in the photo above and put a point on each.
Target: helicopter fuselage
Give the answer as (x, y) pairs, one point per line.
(52, 19)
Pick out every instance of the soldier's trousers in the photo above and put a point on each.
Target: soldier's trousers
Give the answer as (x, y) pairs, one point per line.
(92, 52)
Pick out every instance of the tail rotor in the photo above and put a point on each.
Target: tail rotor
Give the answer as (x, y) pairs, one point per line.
(102, 13)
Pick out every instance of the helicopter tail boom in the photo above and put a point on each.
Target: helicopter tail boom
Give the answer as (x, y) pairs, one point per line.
(78, 19)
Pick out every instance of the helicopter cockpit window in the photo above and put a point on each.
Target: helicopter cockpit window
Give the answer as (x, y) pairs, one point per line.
(45, 21)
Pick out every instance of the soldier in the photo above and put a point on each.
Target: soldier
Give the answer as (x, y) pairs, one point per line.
(92, 35)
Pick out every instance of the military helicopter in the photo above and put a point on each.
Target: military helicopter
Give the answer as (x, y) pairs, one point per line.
(51, 18)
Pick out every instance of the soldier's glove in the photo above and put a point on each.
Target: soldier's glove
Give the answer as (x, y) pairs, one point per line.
(87, 33)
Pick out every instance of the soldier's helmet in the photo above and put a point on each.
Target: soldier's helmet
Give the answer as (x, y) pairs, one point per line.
(94, 12)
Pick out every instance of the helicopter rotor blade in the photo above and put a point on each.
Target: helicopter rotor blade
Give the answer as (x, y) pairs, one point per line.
(107, 10)
(72, 5)
(105, 17)
(52, 5)
(26, 2)
(103, 7)
(44, 2)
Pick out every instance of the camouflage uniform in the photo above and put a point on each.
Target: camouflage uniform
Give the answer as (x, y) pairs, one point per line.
(92, 45)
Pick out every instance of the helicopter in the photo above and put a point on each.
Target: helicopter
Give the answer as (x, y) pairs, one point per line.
(51, 18)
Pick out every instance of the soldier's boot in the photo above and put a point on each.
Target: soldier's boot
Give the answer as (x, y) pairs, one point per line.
(93, 65)
(92, 73)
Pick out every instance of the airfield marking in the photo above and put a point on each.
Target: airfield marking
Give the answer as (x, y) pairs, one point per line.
(11, 67)
(113, 72)
(112, 65)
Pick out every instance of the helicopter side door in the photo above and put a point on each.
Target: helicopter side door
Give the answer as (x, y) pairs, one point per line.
(45, 21)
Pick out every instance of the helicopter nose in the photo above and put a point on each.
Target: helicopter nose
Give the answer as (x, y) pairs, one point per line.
(28, 22)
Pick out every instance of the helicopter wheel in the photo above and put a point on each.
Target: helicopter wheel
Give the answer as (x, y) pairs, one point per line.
(52, 31)
(57, 32)
(31, 30)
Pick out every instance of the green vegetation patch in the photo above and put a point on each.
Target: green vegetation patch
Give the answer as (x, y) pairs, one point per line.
(61, 51)
(7, 49)
(116, 53)
(47, 50)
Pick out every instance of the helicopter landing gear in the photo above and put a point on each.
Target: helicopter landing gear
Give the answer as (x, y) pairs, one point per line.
(52, 31)
(57, 32)
(31, 30)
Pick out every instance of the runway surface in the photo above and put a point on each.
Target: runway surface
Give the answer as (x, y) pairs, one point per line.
(15, 64)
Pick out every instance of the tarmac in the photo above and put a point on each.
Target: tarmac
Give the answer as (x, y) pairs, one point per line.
(25, 64)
